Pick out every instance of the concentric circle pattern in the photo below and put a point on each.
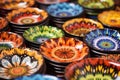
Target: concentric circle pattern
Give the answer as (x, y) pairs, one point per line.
(64, 50)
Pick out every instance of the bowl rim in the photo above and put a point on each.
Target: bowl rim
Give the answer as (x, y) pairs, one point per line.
(58, 62)
(98, 50)
(94, 58)
(7, 23)
(66, 17)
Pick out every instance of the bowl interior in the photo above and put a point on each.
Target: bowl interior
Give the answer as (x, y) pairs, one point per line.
(18, 62)
(27, 16)
(39, 34)
(104, 40)
(15, 4)
(10, 40)
(80, 26)
(96, 4)
(69, 10)
(92, 69)
(108, 19)
(64, 50)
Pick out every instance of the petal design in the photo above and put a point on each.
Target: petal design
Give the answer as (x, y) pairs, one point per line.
(32, 71)
(4, 76)
(26, 60)
(2, 69)
(6, 63)
(16, 60)
(33, 64)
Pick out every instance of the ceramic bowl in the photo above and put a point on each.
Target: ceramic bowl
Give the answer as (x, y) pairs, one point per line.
(64, 50)
(69, 10)
(93, 7)
(109, 20)
(80, 26)
(50, 1)
(39, 77)
(26, 16)
(93, 69)
(39, 34)
(3, 24)
(10, 40)
(15, 4)
(103, 40)
(18, 62)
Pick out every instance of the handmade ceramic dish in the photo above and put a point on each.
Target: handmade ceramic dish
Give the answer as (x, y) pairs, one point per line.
(108, 19)
(93, 69)
(15, 4)
(112, 57)
(93, 7)
(64, 50)
(80, 26)
(26, 16)
(39, 34)
(104, 40)
(18, 62)
(69, 10)
(39, 77)
(3, 24)
(50, 1)
(10, 40)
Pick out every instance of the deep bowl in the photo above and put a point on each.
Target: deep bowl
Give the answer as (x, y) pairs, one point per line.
(64, 50)
(39, 34)
(104, 40)
(27, 16)
(18, 62)
(109, 20)
(10, 40)
(39, 77)
(93, 7)
(15, 4)
(93, 69)
(65, 10)
(80, 26)
(3, 24)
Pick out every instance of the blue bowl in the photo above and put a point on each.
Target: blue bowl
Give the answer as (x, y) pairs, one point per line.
(38, 77)
(65, 10)
(103, 40)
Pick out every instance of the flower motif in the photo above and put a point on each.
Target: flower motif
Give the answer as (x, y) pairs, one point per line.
(16, 64)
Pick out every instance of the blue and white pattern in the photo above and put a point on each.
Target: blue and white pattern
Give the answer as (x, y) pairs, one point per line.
(64, 10)
(104, 39)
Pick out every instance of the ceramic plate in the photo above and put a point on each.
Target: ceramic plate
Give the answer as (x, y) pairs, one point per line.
(64, 50)
(27, 16)
(93, 69)
(80, 26)
(51, 1)
(104, 40)
(15, 4)
(39, 77)
(10, 40)
(39, 34)
(110, 20)
(18, 62)
(3, 23)
(96, 4)
(69, 10)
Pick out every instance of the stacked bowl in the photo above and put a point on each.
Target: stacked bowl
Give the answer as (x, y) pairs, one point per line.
(4, 24)
(103, 41)
(36, 35)
(59, 52)
(61, 12)
(24, 18)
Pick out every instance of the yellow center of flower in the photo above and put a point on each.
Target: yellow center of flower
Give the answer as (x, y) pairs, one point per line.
(18, 71)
